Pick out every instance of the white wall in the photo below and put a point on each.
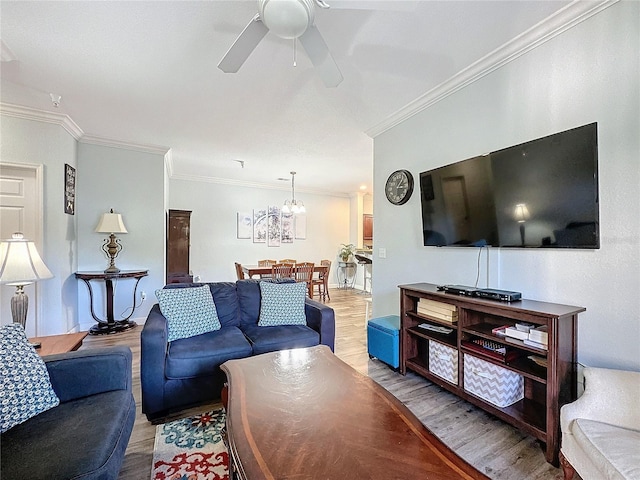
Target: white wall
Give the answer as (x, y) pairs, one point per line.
(214, 243)
(589, 73)
(132, 183)
(50, 145)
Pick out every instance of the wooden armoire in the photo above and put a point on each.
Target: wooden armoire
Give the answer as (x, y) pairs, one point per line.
(178, 242)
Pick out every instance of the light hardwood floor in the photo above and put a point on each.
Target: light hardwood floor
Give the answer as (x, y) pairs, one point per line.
(493, 447)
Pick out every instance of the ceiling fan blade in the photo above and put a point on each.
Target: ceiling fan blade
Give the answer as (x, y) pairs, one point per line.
(320, 56)
(243, 46)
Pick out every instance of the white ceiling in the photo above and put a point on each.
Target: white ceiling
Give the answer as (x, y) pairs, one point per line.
(145, 72)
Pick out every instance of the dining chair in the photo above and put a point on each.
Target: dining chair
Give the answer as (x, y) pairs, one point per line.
(239, 271)
(288, 260)
(267, 263)
(304, 273)
(322, 281)
(282, 270)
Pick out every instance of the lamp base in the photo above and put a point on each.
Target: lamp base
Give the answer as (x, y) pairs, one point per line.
(19, 306)
(104, 328)
(112, 269)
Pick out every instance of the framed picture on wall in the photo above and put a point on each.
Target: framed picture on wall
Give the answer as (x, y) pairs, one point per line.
(288, 228)
(260, 226)
(273, 233)
(69, 189)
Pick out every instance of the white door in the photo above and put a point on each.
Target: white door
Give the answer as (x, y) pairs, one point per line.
(21, 211)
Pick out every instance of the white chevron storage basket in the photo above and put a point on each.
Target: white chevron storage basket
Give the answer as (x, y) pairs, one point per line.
(443, 361)
(491, 382)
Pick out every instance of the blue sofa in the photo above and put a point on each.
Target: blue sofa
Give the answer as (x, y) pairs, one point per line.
(85, 437)
(187, 371)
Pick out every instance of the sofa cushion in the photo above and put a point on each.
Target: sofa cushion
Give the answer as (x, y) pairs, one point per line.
(282, 304)
(25, 387)
(226, 299)
(201, 355)
(72, 440)
(271, 339)
(614, 450)
(189, 311)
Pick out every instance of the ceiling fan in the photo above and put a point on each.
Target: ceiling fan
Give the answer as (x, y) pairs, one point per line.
(289, 19)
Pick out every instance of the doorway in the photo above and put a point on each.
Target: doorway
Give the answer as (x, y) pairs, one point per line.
(21, 210)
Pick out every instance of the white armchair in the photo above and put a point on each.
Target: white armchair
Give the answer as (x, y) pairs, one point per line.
(601, 430)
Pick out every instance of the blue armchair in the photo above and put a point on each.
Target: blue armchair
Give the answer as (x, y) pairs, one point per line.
(85, 437)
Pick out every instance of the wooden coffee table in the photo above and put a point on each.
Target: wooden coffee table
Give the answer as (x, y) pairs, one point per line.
(64, 343)
(305, 414)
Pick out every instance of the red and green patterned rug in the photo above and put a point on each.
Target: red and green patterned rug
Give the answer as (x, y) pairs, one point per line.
(191, 449)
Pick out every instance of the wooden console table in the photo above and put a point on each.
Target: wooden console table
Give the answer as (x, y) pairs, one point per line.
(304, 413)
(549, 376)
(111, 325)
(52, 344)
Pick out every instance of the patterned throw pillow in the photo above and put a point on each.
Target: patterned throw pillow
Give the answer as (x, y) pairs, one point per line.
(25, 386)
(189, 311)
(282, 304)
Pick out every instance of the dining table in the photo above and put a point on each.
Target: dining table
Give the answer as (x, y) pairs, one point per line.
(251, 271)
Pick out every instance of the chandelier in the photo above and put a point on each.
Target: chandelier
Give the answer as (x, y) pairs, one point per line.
(293, 205)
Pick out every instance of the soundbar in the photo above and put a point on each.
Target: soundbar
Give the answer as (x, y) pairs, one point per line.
(490, 293)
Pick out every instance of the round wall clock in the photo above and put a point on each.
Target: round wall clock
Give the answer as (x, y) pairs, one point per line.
(399, 187)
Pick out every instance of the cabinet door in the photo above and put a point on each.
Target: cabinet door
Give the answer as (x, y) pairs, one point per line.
(367, 227)
(178, 241)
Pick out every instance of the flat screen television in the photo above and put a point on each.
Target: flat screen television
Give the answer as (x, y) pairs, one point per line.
(542, 193)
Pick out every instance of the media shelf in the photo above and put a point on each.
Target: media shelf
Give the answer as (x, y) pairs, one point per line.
(549, 377)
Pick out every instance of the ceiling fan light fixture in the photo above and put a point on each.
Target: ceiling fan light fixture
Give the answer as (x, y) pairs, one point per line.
(287, 18)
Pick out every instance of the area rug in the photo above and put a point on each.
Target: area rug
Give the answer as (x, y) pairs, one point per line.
(191, 449)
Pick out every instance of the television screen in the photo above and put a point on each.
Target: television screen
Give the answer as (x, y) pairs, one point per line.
(542, 193)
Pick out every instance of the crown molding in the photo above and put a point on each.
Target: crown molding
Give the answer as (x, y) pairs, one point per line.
(554, 25)
(27, 113)
(65, 121)
(244, 183)
(109, 142)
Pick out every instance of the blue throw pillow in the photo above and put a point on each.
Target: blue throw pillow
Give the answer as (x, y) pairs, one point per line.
(25, 386)
(189, 311)
(282, 304)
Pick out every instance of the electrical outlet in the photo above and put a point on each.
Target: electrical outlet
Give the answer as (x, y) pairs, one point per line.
(143, 296)
(382, 253)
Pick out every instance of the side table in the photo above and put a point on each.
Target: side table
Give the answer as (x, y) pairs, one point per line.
(346, 273)
(111, 325)
(51, 344)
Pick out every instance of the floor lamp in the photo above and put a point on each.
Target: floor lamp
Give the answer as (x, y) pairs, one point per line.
(20, 265)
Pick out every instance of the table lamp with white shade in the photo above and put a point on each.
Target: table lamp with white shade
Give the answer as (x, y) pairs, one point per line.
(20, 265)
(111, 223)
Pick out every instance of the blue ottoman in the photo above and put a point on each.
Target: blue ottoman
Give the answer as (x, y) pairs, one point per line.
(383, 339)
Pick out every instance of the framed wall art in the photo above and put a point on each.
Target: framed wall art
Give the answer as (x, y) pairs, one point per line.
(69, 189)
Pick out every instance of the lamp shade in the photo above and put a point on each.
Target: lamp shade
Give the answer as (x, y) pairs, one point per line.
(111, 223)
(20, 262)
(521, 212)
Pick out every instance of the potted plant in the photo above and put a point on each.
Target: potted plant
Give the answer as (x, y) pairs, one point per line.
(346, 251)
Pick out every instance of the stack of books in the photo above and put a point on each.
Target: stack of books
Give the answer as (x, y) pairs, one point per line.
(526, 334)
(441, 311)
(538, 338)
